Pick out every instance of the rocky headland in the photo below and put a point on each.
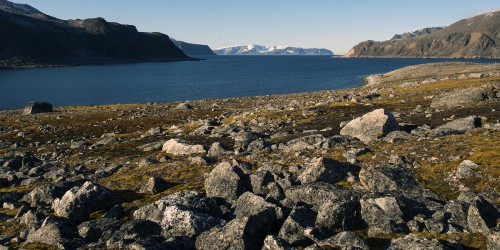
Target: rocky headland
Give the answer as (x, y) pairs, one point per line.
(30, 38)
(409, 161)
(476, 37)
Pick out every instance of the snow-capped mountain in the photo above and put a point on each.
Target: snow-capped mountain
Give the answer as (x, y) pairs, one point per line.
(270, 50)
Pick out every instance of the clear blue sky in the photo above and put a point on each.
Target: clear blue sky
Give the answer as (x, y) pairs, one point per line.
(331, 24)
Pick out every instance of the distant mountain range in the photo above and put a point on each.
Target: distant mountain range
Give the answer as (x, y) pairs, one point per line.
(192, 49)
(29, 37)
(476, 37)
(270, 50)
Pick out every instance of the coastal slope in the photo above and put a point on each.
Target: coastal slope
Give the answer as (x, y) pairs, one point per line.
(31, 38)
(476, 37)
(192, 49)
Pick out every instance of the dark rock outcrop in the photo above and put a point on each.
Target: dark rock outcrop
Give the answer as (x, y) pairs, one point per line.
(192, 49)
(37, 107)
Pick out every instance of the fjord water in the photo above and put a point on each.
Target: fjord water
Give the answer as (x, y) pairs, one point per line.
(215, 77)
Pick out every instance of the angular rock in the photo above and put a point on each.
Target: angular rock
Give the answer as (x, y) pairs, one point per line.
(338, 215)
(310, 142)
(45, 194)
(458, 126)
(387, 178)
(315, 194)
(131, 231)
(54, 231)
(460, 97)
(225, 181)
(322, 170)
(179, 147)
(344, 240)
(183, 106)
(273, 242)
(249, 204)
(413, 241)
(37, 107)
(259, 181)
(382, 214)
(456, 214)
(371, 126)
(294, 226)
(482, 216)
(93, 230)
(154, 185)
(493, 240)
(466, 169)
(79, 202)
(217, 150)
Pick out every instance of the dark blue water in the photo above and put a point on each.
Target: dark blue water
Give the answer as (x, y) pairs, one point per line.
(216, 77)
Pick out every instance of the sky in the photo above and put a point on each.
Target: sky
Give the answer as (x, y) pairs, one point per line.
(337, 25)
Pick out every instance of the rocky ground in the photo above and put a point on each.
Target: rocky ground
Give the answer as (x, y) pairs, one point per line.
(410, 161)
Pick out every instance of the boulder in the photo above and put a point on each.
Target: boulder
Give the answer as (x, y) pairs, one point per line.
(260, 180)
(456, 214)
(388, 178)
(154, 185)
(322, 170)
(382, 214)
(187, 213)
(45, 194)
(183, 106)
(37, 107)
(133, 231)
(371, 126)
(482, 216)
(310, 142)
(345, 239)
(93, 230)
(240, 233)
(466, 169)
(315, 194)
(273, 242)
(460, 97)
(413, 241)
(225, 181)
(79, 202)
(340, 215)
(217, 150)
(54, 231)
(458, 126)
(294, 226)
(179, 147)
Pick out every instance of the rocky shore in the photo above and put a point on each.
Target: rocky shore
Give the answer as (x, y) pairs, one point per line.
(409, 161)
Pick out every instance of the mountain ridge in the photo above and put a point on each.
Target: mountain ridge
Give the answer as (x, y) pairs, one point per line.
(33, 39)
(192, 49)
(476, 37)
(252, 49)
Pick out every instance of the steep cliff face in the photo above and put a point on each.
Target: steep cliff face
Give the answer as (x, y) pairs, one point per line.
(29, 37)
(477, 37)
(192, 49)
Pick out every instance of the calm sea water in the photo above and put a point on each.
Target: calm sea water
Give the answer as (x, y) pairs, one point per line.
(216, 77)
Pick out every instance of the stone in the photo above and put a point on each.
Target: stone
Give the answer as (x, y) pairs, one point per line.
(272, 242)
(466, 169)
(456, 214)
(293, 228)
(249, 204)
(259, 182)
(345, 240)
(397, 136)
(482, 216)
(382, 214)
(183, 106)
(148, 162)
(460, 97)
(45, 194)
(182, 214)
(387, 178)
(413, 241)
(179, 147)
(338, 215)
(37, 107)
(154, 185)
(310, 142)
(316, 194)
(114, 213)
(493, 240)
(225, 181)
(371, 126)
(217, 150)
(458, 126)
(93, 230)
(133, 231)
(322, 170)
(54, 231)
(79, 202)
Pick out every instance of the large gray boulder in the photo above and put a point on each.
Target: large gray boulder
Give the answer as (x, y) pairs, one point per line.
(154, 185)
(386, 178)
(249, 204)
(37, 107)
(186, 213)
(322, 169)
(179, 147)
(259, 182)
(137, 232)
(458, 126)
(382, 214)
(55, 231)
(225, 181)
(273, 242)
(315, 194)
(45, 194)
(294, 226)
(79, 202)
(338, 215)
(344, 240)
(93, 230)
(460, 97)
(371, 126)
(310, 142)
(240, 233)
(482, 216)
(413, 241)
